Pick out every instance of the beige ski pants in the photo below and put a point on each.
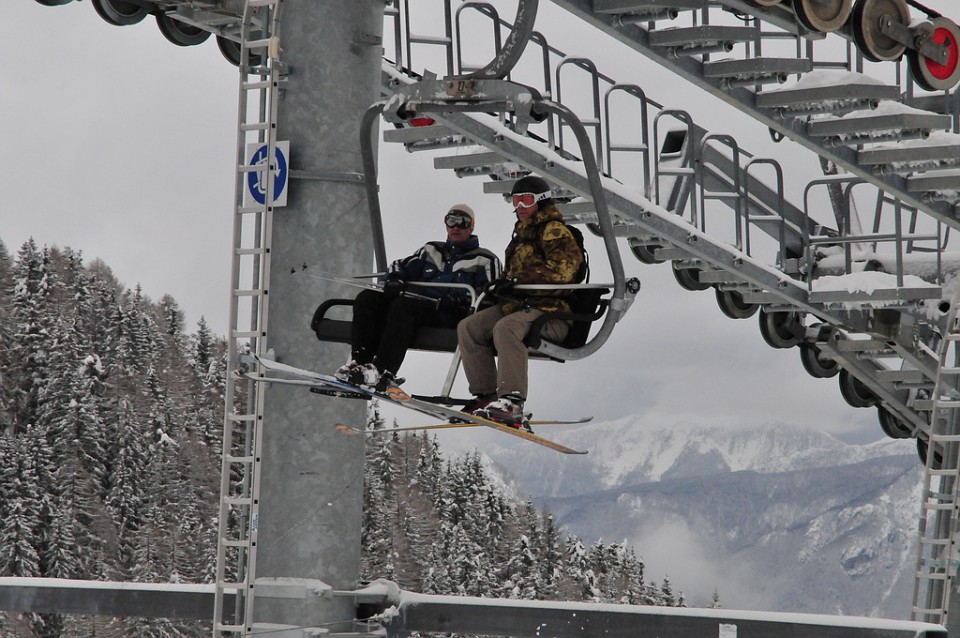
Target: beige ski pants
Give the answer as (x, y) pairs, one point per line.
(490, 333)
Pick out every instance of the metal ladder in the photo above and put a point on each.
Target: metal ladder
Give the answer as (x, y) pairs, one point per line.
(261, 74)
(937, 554)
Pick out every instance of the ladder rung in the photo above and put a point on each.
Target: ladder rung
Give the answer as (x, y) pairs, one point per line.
(240, 459)
(227, 628)
(429, 39)
(937, 506)
(935, 541)
(246, 210)
(250, 251)
(257, 85)
(242, 417)
(238, 500)
(261, 43)
(720, 195)
(628, 147)
(235, 542)
(940, 496)
(246, 335)
(248, 293)
(255, 126)
(250, 168)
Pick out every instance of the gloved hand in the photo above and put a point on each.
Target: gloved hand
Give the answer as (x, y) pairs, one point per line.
(393, 286)
(501, 287)
(454, 304)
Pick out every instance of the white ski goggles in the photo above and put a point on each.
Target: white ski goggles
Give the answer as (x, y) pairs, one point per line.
(529, 199)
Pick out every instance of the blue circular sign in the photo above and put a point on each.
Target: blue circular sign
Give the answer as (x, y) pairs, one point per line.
(257, 180)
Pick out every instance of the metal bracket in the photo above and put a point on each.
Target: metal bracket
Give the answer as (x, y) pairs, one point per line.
(464, 94)
(917, 37)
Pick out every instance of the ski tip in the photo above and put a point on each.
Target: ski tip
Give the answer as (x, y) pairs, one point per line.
(347, 429)
(396, 394)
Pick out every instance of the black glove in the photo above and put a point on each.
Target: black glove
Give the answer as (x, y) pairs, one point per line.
(453, 304)
(393, 286)
(501, 287)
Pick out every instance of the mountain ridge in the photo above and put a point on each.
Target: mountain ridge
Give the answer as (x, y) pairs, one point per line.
(777, 517)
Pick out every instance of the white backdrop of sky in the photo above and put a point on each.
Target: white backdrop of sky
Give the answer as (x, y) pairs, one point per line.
(121, 145)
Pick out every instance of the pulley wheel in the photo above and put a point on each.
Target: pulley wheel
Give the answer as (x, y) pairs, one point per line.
(120, 13)
(932, 75)
(646, 253)
(891, 425)
(180, 33)
(732, 304)
(866, 23)
(54, 3)
(766, 3)
(817, 367)
(231, 51)
(780, 329)
(688, 278)
(824, 16)
(854, 392)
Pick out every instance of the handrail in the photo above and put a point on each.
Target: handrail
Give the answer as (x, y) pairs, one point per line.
(644, 146)
(782, 235)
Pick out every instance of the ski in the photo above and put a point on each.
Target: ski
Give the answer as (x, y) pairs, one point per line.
(394, 394)
(397, 395)
(442, 426)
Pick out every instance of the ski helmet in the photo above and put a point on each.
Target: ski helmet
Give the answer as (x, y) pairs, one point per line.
(536, 185)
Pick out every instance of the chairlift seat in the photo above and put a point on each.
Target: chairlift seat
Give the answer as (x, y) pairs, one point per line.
(338, 330)
(587, 305)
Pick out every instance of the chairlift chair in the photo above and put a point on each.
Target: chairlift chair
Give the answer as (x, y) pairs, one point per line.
(452, 97)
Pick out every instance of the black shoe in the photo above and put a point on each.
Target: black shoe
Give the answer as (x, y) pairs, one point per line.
(386, 381)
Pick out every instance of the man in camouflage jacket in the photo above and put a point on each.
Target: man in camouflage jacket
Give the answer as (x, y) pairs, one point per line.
(542, 251)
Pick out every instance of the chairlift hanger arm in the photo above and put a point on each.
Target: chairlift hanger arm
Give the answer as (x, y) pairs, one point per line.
(368, 155)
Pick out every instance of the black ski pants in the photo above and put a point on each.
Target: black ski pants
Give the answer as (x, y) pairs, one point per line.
(383, 327)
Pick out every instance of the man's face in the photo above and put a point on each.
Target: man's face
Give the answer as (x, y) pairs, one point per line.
(525, 204)
(458, 235)
(459, 226)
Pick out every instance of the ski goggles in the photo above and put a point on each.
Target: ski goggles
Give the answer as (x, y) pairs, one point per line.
(527, 200)
(458, 219)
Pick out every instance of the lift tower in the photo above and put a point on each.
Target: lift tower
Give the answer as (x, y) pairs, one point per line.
(291, 500)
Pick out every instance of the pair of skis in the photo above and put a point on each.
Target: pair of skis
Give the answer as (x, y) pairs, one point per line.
(331, 385)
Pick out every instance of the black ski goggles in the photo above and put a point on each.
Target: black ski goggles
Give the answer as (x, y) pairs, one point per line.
(458, 219)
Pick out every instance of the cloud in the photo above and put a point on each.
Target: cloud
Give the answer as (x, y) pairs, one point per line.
(697, 564)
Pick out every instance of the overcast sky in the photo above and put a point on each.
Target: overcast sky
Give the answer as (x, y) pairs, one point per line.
(121, 145)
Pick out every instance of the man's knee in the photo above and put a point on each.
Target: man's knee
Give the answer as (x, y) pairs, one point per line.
(367, 299)
(509, 330)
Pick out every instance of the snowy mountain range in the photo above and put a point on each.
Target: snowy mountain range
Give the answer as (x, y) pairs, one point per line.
(778, 518)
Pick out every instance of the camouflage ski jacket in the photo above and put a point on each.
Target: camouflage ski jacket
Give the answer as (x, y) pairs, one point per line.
(542, 251)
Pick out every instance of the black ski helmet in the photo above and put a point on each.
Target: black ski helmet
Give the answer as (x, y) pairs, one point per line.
(533, 184)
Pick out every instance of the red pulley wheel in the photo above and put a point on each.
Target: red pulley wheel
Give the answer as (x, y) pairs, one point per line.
(930, 74)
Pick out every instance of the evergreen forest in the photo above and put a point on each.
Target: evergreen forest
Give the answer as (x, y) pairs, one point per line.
(111, 417)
